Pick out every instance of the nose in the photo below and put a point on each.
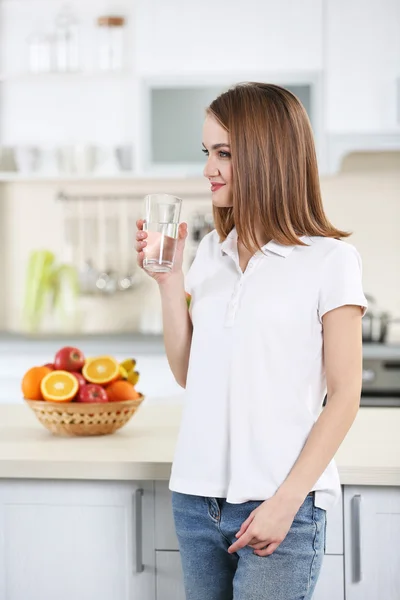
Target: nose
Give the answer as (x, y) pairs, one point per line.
(210, 169)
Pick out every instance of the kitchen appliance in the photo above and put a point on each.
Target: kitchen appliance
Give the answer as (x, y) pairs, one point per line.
(375, 323)
(381, 376)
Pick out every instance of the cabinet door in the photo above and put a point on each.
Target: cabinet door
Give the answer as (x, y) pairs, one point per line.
(165, 536)
(330, 585)
(372, 548)
(76, 539)
(169, 577)
(362, 68)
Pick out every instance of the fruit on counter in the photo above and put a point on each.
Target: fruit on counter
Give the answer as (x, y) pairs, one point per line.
(69, 359)
(80, 378)
(92, 393)
(121, 390)
(133, 377)
(31, 382)
(101, 370)
(128, 364)
(123, 373)
(59, 386)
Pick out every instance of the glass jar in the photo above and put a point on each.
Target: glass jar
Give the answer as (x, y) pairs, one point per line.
(111, 43)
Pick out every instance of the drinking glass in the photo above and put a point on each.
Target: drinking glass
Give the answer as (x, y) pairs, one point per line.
(161, 223)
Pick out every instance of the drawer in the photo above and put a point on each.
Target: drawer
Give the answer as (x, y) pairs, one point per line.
(169, 577)
(165, 530)
(330, 585)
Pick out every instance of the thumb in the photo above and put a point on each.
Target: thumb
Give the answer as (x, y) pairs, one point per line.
(182, 232)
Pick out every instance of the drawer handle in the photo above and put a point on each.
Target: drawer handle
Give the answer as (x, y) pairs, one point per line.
(137, 500)
(356, 537)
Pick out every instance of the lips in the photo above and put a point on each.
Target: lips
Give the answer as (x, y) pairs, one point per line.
(216, 186)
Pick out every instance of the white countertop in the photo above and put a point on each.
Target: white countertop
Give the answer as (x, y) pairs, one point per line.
(143, 449)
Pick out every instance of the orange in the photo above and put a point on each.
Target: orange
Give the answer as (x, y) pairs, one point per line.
(121, 390)
(31, 382)
(59, 386)
(101, 370)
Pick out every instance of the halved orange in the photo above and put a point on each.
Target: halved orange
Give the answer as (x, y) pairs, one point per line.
(101, 370)
(59, 386)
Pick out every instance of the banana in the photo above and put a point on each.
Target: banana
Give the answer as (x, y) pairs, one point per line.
(133, 377)
(128, 364)
(123, 372)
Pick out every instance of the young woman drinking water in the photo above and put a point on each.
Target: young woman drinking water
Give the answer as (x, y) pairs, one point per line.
(274, 324)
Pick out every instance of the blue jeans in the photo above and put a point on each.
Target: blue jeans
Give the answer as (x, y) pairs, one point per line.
(206, 527)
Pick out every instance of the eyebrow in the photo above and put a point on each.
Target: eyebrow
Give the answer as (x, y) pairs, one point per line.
(217, 146)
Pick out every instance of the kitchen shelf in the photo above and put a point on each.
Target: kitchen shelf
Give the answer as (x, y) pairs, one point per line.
(29, 177)
(62, 77)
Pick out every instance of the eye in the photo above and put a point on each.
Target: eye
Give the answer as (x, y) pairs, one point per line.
(205, 152)
(223, 154)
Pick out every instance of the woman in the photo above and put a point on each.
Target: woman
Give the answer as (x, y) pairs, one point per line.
(274, 323)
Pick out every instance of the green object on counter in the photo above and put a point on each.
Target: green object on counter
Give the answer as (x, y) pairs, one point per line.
(39, 288)
(66, 288)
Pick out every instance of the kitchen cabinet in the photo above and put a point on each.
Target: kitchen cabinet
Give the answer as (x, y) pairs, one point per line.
(362, 57)
(76, 539)
(330, 585)
(372, 548)
(268, 36)
(169, 576)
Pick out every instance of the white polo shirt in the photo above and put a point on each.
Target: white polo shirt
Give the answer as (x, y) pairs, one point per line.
(256, 380)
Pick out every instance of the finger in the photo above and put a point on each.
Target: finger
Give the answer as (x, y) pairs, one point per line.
(270, 549)
(140, 245)
(241, 542)
(140, 258)
(182, 231)
(258, 545)
(245, 525)
(139, 223)
(141, 235)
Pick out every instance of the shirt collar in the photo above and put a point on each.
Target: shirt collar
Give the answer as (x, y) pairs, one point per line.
(229, 245)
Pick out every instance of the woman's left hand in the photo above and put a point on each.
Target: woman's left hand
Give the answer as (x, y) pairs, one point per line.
(266, 527)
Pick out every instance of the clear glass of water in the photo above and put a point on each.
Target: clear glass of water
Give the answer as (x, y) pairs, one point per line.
(162, 212)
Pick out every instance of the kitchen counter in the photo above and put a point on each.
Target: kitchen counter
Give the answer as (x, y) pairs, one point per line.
(143, 449)
(109, 343)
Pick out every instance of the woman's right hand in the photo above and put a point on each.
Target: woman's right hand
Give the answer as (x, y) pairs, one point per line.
(141, 244)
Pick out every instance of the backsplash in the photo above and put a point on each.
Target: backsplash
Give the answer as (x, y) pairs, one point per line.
(367, 203)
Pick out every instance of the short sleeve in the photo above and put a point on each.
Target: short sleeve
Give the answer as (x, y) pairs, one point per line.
(341, 280)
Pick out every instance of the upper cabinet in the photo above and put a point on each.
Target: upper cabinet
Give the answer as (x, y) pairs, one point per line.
(114, 117)
(362, 65)
(219, 37)
(362, 74)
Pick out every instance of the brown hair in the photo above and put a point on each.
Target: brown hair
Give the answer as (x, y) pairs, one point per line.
(275, 172)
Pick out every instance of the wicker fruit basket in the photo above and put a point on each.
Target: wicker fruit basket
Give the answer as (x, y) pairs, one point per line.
(79, 418)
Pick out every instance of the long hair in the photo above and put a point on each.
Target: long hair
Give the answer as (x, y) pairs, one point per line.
(275, 174)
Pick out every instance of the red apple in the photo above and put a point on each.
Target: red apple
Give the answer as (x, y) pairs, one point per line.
(92, 393)
(69, 359)
(50, 366)
(80, 378)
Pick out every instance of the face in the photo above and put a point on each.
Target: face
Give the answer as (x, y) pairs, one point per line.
(218, 169)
